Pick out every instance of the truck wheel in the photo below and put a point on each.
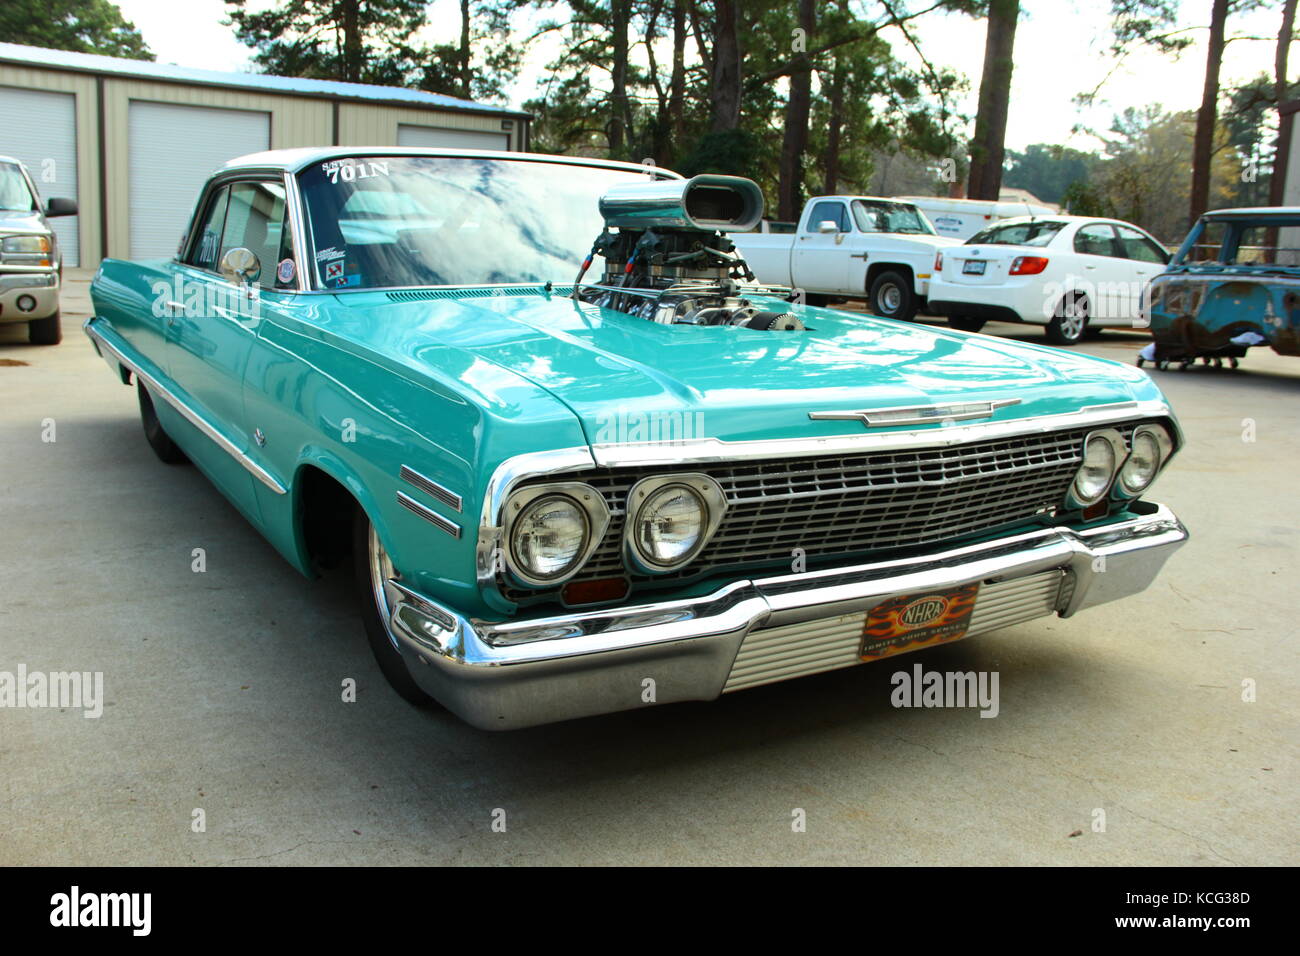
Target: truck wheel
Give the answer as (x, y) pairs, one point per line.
(891, 296)
(166, 449)
(965, 323)
(372, 567)
(1070, 322)
(45, 331)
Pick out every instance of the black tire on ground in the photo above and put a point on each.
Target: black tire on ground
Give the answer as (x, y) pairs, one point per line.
(815, 299)
(370, 568)
(45, 331)
(966, 323)
(166, 449)
(1070, 322)
(891, 296)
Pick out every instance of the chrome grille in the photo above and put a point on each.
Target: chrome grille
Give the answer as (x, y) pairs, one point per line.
(853, 504)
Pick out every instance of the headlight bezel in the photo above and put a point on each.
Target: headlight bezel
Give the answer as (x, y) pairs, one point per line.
(1165, 449)
(1119, 455)
(590, 503)
(703, 487)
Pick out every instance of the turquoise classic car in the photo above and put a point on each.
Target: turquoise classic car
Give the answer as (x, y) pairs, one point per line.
(570, 496)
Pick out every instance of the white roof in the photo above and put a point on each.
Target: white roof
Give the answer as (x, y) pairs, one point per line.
(294, 160)
(260, 82)
(1256, 211)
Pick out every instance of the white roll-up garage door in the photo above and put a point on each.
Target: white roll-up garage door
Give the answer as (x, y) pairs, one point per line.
(173, 150)
(450, 138)
(39, 129)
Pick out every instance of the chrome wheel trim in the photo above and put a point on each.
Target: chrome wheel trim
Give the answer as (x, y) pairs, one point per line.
(381, 572)
(1074, 315)
(890, 298)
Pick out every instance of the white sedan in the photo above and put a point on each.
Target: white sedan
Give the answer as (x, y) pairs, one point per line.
(1069, 273)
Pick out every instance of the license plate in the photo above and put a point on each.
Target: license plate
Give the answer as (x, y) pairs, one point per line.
(973, 267)
(924, 619)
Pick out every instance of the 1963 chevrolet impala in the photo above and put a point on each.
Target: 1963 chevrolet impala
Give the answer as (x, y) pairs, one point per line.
(566, 496)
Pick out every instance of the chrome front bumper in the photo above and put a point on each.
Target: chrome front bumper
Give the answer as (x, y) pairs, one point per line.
(514, 674)
(41, 286)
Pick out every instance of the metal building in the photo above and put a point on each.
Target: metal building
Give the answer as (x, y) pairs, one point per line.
(132, 141)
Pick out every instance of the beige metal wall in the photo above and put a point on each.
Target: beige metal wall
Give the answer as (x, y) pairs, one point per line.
(295, 121)
(362, 125)
(83, 88)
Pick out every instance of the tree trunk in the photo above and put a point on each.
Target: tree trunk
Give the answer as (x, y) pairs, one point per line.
(465, 74)
(831, 162)
(725, 80)
(1203, 144)
(1277, 181)
(797, 107)
(677, 81)
(986, 152)
(618, 92)
(351, 41)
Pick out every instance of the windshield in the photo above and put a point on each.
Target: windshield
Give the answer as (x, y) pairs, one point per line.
(1037, 233)
(385, 221)
(15, 194)
(1268, 243)
(896, 217)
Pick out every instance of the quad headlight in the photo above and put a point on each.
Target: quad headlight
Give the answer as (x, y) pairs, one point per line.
(670, 520)
(1103, 452)
(1149, 448)
(551, 530)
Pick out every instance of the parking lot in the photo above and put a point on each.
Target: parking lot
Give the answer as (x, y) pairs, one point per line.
(1122, 735)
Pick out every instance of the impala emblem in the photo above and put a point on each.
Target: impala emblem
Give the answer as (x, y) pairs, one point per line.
(917, 414)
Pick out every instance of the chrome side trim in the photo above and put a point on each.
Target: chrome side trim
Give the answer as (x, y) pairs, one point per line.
(916, 414)
(188, 412)
(431, 487)
(612, 455)
(435, 519)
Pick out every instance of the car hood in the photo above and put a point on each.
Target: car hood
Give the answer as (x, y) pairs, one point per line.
(618, 373)
(13, 221)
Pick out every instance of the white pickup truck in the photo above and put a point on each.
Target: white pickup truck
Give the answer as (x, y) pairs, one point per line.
(851, 247)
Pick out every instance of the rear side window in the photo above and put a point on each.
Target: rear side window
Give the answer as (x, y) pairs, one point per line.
(255, 221)
(1097, 239)
(828, 212)
(1037, 233)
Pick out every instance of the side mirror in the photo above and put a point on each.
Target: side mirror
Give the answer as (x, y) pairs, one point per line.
(828, 225)
(240, 265)
(61, 207)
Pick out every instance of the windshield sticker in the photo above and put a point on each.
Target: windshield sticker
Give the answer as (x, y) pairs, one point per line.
(284, 272)
(346, 170)
(325, 255)
(343, 281)
(334, 270)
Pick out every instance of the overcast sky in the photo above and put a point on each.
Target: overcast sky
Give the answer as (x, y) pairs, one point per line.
(1061, 50)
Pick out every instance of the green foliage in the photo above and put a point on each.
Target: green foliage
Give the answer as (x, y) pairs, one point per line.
(1048, 171)
(82, 26)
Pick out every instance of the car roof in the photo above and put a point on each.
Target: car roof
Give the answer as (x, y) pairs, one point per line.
(295, 160)
(1252, 211)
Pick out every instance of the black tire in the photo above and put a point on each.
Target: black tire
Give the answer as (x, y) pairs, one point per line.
(891, 296)
(816, 299)
(166, 449)
(966, 323)
(373, 616)
(1070, 323)
(45, 331)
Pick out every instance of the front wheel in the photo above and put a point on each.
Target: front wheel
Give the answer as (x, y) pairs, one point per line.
(891, 296)
(373, 569)
(45, 331)
(965, 323)
(1070, 322)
